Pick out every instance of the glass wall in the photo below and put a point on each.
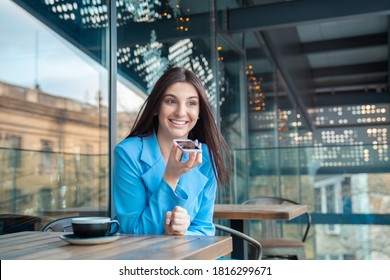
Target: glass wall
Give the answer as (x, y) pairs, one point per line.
(349, 206)
(54, 126)
(332, 156)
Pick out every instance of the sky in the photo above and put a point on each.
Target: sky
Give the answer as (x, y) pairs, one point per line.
(30, 53)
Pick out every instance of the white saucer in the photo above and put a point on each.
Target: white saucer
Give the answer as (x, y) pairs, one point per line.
(73, 239)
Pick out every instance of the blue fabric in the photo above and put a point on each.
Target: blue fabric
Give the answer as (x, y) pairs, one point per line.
(142, 197)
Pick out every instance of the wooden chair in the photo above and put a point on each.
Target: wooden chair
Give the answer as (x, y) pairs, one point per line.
(274, 246)
(258, 250)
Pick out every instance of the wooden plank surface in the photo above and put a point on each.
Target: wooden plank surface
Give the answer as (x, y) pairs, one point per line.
(258, 211)
(48, 245)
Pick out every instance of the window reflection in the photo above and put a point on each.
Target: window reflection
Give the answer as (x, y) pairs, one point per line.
(53, 120)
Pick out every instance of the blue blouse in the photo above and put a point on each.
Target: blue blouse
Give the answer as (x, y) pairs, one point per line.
(142, 197)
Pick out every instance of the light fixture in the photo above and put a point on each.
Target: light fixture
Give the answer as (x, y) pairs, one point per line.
(94, 13)
(255, 93)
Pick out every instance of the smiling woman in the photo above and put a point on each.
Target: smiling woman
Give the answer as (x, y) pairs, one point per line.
(158, 189)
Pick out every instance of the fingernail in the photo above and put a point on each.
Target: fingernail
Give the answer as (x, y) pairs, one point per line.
(167, 221)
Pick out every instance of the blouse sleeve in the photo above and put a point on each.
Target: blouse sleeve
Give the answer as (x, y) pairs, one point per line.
(137, 210)
(202, 222)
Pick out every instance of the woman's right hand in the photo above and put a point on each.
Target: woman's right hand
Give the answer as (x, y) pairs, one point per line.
(176, 168)
(177, 221)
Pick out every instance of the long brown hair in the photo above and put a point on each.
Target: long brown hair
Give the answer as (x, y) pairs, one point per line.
(205, 130)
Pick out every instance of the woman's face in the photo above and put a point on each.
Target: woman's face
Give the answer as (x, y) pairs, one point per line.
(179, 111)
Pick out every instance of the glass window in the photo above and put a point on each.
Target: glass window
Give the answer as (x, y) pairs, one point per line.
(330, 198)
(12, 157)
(317, 202)
(46, 155)
(54, 96)
(346, 195)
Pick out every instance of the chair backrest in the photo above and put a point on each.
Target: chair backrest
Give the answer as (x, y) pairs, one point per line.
(256, 244)
(60, 225)
(10, 223)
(280, 200)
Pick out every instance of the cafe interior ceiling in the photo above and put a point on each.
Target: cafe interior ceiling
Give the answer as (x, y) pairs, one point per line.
(326, 51)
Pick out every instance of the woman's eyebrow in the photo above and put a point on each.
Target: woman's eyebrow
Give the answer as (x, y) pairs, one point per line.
(193, 97)
(174, 96)
(170, 95)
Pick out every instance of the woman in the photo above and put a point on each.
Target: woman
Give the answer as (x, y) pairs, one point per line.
(157, 188)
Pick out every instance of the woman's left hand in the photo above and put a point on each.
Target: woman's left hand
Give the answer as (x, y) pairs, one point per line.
(177, 221)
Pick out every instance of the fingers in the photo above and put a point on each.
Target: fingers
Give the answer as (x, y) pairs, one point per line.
(168, 218)
(175, 167)
(176, 152)
(194, 159)
(167, 223)
(198, 155)
(179, 221)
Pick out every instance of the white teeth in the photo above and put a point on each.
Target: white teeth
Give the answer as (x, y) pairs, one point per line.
(178, 122)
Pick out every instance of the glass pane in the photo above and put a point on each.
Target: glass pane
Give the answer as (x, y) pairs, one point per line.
(54, 116)
(231, 94)
(362, 242)
(177, 34)
(349, 205)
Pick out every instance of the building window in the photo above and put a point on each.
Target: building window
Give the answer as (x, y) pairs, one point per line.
(327, 200)
(330, 198)
(331, 205)
(46, 155)
(86, 160)
(317, 200)
(346, 195)
(13, 153)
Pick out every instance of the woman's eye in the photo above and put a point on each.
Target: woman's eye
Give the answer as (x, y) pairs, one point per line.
(169, 101)
(192, 103)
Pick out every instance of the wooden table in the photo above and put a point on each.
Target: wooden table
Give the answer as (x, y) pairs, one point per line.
(32, 245)
(258, 211)
(238, 213)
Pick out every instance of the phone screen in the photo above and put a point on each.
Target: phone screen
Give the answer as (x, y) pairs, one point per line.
(187, 145)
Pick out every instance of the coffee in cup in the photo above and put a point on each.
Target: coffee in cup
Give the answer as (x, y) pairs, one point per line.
(87, 227)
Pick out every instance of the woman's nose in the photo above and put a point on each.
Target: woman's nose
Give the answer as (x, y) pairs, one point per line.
(181, 110)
